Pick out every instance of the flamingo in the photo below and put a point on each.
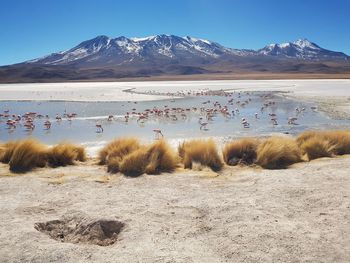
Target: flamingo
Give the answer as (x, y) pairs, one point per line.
(29, 126)
(274, 121)
(47, 124)
(202, 124)
(158, 132)
(99, 128)
(11, 124)
(141, 117)
(245, 123)
(291, 120)
(58, 118)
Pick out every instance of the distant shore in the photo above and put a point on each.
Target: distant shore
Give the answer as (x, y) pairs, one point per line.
(196, 77)
(333, 95)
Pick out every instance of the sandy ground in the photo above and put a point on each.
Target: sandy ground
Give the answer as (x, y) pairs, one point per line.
(318, 91)
(301, 214)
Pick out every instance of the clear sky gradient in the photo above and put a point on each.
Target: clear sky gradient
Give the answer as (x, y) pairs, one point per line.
(33, 28)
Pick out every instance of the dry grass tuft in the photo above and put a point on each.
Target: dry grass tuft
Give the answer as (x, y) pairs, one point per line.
(118, 148)
(304, 136)
(114, 152)
(340, 140)
(2, 151)
(278, 153)
(152, 159)
(200, 151)
(27, 154)
(113, 164)
(7, 151)
(64, 154)
(324, 143)
(315, 148)
(241, 151)
(161, 158)
(81, 153)
(134, 164)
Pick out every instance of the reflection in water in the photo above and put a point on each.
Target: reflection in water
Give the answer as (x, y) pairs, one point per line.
(220, 115)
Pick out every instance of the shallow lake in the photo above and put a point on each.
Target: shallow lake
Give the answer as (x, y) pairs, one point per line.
(176, 118)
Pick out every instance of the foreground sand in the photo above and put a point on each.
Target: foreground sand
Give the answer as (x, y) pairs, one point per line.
(301, 214)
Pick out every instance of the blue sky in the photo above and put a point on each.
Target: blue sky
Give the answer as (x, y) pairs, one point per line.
(33, 28)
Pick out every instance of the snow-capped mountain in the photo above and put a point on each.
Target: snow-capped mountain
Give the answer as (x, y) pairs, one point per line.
(105, 50)
(302, 49)
(103, 58)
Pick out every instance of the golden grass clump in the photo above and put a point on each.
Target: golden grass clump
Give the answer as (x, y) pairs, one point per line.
(118, 149)
(315, 148)
(134, 164)
(81, 153)
(161, 158)
(242, 151)
(64, 154)
(340, 140)
(278, 153)
(7, 151)
(27, 154)
(200, 151)
(2, 151)
(152, 159)
(114, 152)
(324, 143)
(113, 164)
(306, 135)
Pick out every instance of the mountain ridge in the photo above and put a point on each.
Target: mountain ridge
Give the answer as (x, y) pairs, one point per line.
(104, 57)
(169, 45)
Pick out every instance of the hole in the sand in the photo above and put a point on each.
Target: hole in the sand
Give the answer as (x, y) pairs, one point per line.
(74, 230)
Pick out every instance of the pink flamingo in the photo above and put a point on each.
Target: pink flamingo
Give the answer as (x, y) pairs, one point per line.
(47, 124)
(11, 124)
(29, 126)
(142, 117)
(58, 118)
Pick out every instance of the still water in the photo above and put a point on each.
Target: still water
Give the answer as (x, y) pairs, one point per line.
(177, 118)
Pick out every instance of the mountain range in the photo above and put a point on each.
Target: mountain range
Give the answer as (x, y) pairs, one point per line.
(111, 58)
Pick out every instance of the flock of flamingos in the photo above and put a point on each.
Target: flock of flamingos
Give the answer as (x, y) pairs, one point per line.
(206, 112)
